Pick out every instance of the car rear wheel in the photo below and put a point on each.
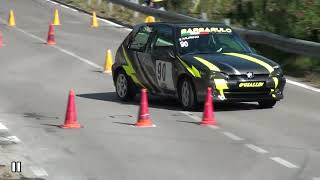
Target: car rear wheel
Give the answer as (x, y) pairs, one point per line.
(187, 94)
(124, 86)
(267, 104)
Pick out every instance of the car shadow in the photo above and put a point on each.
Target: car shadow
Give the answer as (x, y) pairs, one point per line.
(167, 103)
(154, 101)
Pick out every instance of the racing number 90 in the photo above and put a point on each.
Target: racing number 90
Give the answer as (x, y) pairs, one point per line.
(161, 69)
(184, 44)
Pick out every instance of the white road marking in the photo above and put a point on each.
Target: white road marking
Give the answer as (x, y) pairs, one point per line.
(191, 116)
(3, 127)
(213, 127)
(78, 57)
(62, 50)
(64, 6)
(198, 119)
(14, 139)
(152, 126)
(109, 22)
(256, 148)
(284, 162)
(38, 171)
(52, 2)
(303, 85)
(316, 178)
(68, 8)
(232, 136)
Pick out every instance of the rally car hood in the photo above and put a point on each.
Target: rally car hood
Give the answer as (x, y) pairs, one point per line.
(233, 64)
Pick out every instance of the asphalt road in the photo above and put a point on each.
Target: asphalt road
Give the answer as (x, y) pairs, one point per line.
(250, 144)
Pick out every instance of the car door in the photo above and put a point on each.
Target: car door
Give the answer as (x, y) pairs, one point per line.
(162, 54)
(141, 59)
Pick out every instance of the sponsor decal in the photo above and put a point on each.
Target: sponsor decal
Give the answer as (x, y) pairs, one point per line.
(252, 59)
(164, 74)
(192, 70)
(251, 84)
(189, 37)
(204, 31)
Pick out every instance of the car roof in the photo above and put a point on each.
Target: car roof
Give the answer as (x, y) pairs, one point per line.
(188, 24)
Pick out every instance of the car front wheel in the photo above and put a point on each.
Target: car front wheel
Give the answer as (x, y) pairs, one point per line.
(187, 94)
(124, 86)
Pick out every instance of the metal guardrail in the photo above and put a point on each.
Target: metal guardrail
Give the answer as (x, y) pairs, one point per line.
(290, 45)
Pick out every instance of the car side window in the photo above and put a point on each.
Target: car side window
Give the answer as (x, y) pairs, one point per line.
(164, 37)
(140, 40)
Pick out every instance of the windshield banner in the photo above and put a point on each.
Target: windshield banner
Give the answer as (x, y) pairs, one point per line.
(203, 31)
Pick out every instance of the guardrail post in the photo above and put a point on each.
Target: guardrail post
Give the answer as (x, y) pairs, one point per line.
(136, 13)
(89, 2)
(110, 6)
(204, 16)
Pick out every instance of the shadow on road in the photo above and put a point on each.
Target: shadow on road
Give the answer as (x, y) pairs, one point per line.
(122, 123)
(167, 103)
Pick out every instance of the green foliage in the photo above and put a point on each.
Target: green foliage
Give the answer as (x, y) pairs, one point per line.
(291, 18)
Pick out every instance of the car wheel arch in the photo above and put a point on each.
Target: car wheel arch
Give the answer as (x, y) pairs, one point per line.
(116, 72)
(182, 77)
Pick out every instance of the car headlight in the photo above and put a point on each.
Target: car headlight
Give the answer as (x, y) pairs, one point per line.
(276, 72)
(218, 75)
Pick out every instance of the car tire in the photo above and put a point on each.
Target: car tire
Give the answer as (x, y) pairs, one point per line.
(267, 104)
(187, 95)
(125, 87)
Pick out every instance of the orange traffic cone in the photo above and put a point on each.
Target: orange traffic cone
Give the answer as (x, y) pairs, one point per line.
(208, 117)
(1, 39)
(144, 116)
(71, 113)
(51, 38)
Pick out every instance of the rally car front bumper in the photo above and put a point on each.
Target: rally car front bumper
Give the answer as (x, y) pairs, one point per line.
(232, 91)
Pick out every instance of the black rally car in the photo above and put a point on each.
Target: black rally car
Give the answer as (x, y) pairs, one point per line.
(182, 60)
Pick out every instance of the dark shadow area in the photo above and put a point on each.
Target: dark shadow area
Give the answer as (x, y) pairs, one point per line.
(98, 71)
(122, 123)
(189, 122)
(168, 103)
(154, 101)
(235, 106)
(37, 116)
(108, 96)
(52, 125)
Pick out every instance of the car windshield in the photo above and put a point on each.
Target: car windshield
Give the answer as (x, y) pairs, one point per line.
(208, 40)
